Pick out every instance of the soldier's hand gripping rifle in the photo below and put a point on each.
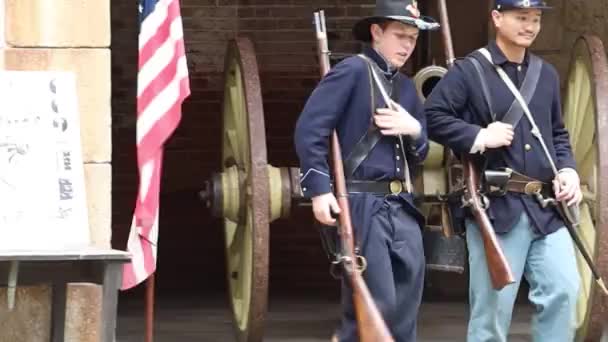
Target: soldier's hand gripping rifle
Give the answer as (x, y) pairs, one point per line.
(498, 266)
(371, 326)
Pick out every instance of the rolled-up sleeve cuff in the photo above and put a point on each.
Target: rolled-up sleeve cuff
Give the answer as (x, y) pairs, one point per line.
(314, 182)
(568, 169)
(463, 142)
(479, 145)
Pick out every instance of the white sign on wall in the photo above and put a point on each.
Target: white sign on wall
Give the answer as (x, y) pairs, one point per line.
(42, 192)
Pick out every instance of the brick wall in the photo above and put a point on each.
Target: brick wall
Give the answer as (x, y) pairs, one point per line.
(190, 251)
(566, 22)
(583, 17)
(586, 17)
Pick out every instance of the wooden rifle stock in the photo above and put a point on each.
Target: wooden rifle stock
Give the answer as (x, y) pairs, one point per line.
(370, 325)
(498, 266)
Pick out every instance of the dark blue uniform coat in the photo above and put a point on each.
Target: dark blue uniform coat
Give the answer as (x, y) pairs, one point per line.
(456, 111)
(342, 100)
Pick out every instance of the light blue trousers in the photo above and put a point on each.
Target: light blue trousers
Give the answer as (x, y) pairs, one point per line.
(549, 265)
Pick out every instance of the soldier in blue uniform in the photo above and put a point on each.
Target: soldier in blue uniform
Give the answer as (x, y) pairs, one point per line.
(473, 111)
(380, 148)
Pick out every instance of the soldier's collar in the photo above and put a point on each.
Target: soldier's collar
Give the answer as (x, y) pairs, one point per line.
(499, 57)
(382, 63)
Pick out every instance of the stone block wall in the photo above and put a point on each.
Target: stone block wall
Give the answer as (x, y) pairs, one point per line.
(69, 37)
(66, 35)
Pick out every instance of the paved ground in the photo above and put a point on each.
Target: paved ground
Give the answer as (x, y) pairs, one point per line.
(294, 320)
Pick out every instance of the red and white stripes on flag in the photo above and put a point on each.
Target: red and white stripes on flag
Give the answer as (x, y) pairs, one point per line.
(162, 86)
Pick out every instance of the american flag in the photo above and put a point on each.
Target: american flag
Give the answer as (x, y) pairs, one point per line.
(162, 86)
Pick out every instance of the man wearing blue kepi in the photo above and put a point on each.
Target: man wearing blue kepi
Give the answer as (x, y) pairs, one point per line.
(476, 109)
(380, 148)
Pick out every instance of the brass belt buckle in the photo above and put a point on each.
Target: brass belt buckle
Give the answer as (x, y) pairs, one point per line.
(532, 188)
(396, 187)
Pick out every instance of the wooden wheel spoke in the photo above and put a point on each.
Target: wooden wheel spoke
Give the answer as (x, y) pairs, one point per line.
(589, 196)
(587, 165)
(230, 229)
(585, 129)
(234, 147)
(574, 87)
(235, 247)
(583, 84)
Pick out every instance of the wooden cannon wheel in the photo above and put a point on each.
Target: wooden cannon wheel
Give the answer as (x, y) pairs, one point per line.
(585, 113)
(247, 193)
(245, 180)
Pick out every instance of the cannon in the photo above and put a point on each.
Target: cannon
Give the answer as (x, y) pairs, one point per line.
(248, 193)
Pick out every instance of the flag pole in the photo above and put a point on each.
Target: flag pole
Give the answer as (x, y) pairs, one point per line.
(150, 308)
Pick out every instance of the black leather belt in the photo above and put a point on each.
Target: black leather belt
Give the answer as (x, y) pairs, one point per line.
(394, 187)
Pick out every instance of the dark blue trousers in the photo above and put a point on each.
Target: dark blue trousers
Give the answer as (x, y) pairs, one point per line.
(394, 274)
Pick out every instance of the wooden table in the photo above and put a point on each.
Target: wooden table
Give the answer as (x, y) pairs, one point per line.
(92, 265)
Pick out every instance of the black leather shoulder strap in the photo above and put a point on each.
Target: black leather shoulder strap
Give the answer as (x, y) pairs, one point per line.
(484, 85)
(369, 140)
(528, 87)
(527, 90)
